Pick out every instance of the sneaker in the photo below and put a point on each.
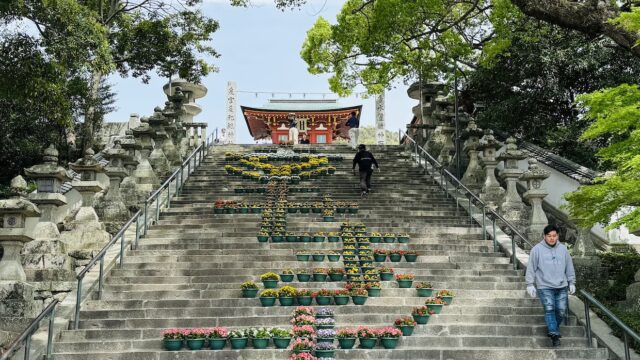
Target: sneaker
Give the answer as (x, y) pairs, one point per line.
(555, 340)
(364, 194)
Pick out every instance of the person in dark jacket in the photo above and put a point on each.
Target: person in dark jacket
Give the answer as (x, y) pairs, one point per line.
(353, 124)
(365, 161)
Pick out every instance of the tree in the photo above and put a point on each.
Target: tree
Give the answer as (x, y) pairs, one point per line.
(614, 199)
(98, 37)
(530, 87)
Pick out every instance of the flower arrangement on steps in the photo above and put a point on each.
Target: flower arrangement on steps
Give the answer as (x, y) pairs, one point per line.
(406, 324)
(249, 289)
(424, 289)
(421, 314)
(404, 280)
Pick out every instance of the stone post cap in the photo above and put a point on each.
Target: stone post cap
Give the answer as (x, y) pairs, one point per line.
(87, 163)
(534, 175)
(49, 168)
(20, 206)
(18, 186)
(511, 151)
(488, 141)
(472, 130)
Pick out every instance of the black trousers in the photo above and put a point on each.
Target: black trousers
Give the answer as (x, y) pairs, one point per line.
(365, 179)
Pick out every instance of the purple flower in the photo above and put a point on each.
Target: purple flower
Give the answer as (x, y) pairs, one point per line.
(325, 321)
(326, 333)
(324, 311)
(325, 346)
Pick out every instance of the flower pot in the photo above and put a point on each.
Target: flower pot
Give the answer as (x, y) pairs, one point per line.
(341, 299)
(249, 293)
(286, 300)
(350, 262)
(267, 301)
(318, 257)
(304, 277)
(347, 343)
(304, 300)
(292, 238)
(375, 239)
(305, 210)
(379, 257)
(403, 239)
(341, 210)
(260, 343)
(218, 210)
(421, 319)
(352, 211)
(263, 238)
(424, 292)
(435, 307)
(217, 343)
(389, 343)
(334, 238)
(323, 300)
(333, 257)
(447, 299)
(287, 277)
(316, 210)
(368, 343)
(296, 351)
(374, 292)
(318, 239)
(329, 340)
(327, 218)
(256, 210)
(359, 299)
(243, 210)
(389, 239)
(281, 343)
(305, 238)
(238, 343)
(395, 257)
(173, 344)
(336, 277)
(325, 353)
(386, 276)
(292, 210)
(238, 191)
(195, 344)
(407, 330)
(326, 326)
(319, 277)
(277, 238)
(303, 257)
(411, 257)
(403, 284)
(349, 257)
(270, 284)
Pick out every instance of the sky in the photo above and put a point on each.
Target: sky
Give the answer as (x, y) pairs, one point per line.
(260, 51)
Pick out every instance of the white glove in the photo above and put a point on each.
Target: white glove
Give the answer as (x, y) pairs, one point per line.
(572, 289)
(531, 290)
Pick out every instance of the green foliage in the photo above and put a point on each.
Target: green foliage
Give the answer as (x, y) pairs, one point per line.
(530, 88)
(629, 21)
(375, 42)
(615, 114)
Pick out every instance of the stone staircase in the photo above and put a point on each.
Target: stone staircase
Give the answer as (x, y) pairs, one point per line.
(187, 271)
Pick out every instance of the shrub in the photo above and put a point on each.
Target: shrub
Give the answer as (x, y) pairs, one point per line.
(248, 285)
(269, 293)
(287, 291)
(269, 276)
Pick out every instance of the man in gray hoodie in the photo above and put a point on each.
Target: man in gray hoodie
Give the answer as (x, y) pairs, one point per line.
(550, 270)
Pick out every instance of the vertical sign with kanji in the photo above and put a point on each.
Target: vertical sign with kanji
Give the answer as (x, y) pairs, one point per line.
(380, 131)
(230, 136)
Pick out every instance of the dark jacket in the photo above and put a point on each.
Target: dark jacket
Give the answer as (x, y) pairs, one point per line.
(293, 123)
(364, 159)
(353, 122)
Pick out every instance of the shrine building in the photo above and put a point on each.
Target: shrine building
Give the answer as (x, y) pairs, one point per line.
(322, 120)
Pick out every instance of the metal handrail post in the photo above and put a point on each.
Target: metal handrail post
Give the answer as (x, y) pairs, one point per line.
(495, 241)
(627, 355)
(587, 321)
(137, 232)
(122, 250)
(470, 210)
(169, 195)
(76, 321)
(52, 318)
(100, 278)
(146, 205)
(27, 347)
(513, 253)
(484, 226)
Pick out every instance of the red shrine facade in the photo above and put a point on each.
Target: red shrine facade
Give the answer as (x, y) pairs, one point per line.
(322, 121)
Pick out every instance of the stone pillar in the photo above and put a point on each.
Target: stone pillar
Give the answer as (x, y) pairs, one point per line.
(128, 186)
(134, 120)
(231, 112)
(491, 192)
(86, 233)
(380, 129)
(512, 207)
(534, 177)
(146, 178)
(473, 176)
(158, 160)
(111, 208)
(18, 218)
(441, 143)
(171, 145)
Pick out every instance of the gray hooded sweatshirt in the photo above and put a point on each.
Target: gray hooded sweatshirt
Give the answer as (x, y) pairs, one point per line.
(550, 267)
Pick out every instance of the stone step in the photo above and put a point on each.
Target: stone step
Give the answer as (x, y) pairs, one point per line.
(379, 353)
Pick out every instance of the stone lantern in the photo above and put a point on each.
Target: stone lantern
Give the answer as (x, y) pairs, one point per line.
(158, 159)
(473, 176)
(512, 207)
(49, 177)
(19, 218)
(111, 209)
(128, 186)
(146, 178)
(169, 145)
(88, 186)
(534, 177)
(444, 113)
(189, 109)
(491, 191)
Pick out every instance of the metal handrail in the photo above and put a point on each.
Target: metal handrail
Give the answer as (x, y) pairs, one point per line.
(589, 299)
(473, 198)
(196, 156)
(25, 336)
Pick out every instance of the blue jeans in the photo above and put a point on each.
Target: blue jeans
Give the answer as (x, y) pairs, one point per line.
(554, 302)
